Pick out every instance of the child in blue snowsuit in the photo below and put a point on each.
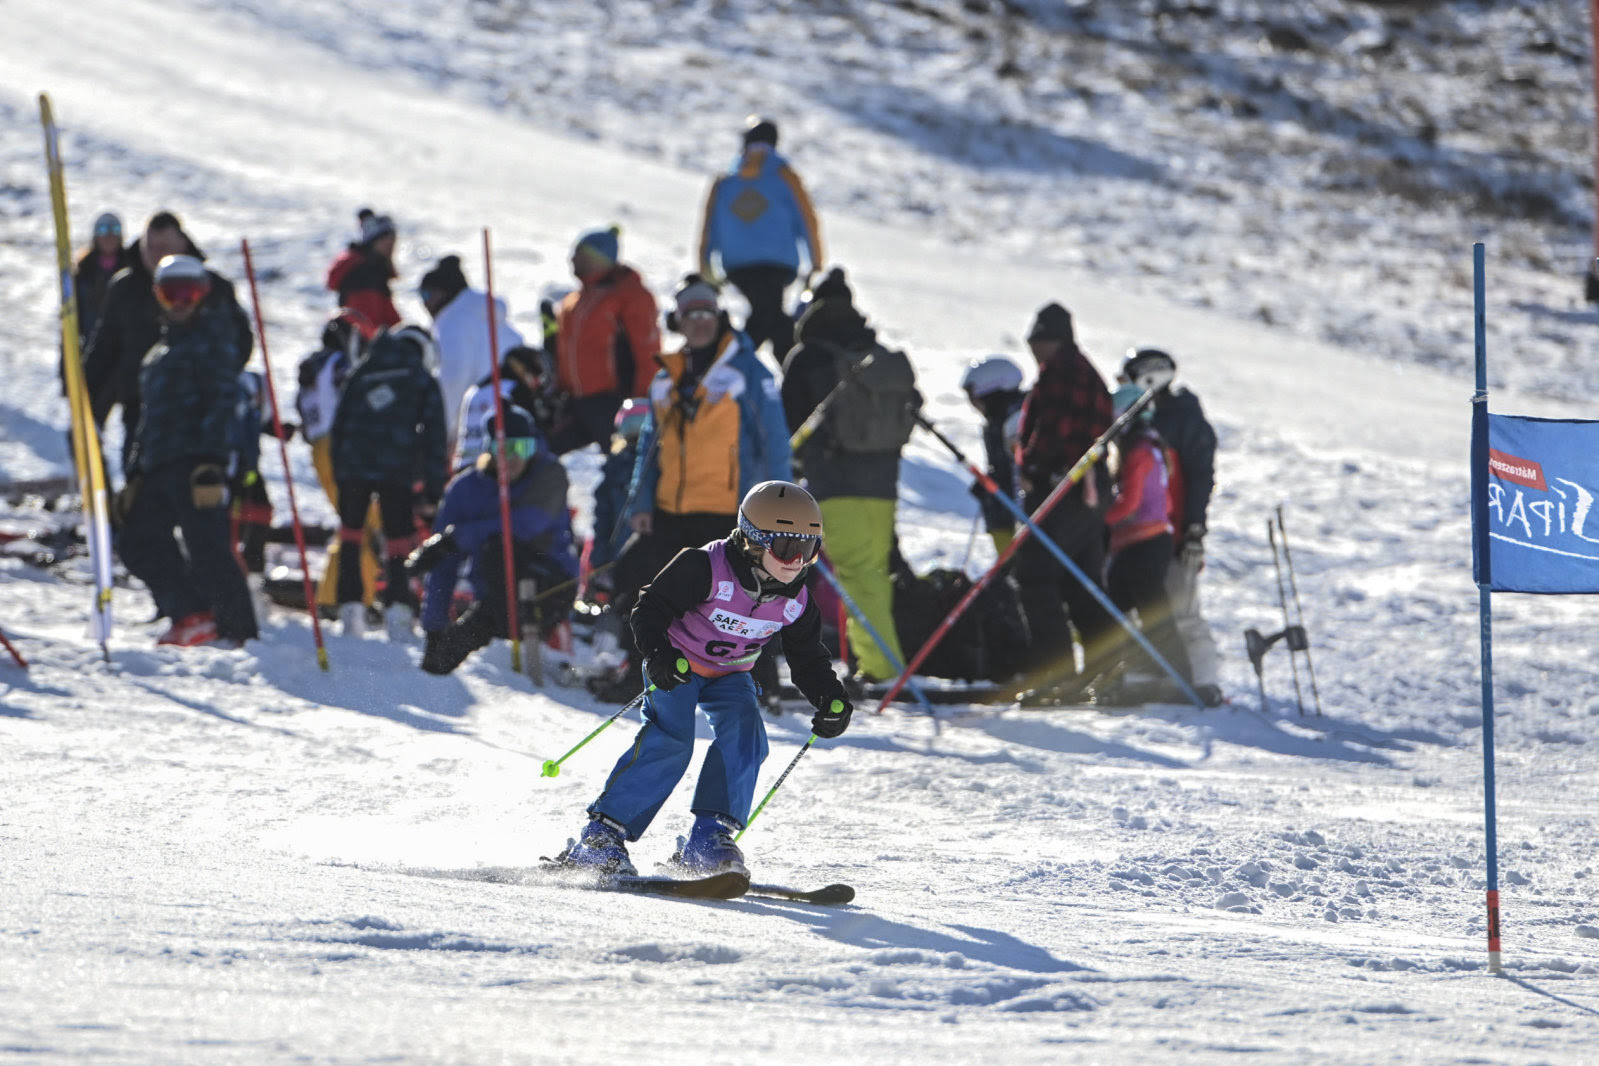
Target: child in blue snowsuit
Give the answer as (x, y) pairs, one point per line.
(702, 623)
(468, 526)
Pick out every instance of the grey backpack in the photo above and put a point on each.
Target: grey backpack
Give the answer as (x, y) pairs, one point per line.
(877, 409)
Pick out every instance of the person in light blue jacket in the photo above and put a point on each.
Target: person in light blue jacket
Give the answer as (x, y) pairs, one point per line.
(758, 218)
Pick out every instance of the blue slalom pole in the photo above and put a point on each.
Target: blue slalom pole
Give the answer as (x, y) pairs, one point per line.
(1065, 560)
(871, 631)
(1481, 551)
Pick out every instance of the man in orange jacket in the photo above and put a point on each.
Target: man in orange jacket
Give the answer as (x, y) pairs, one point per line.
(606, 345)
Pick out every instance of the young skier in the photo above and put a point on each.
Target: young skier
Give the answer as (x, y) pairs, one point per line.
(1191, 445)
(701, 624)
(994, 386)
(1139, 520)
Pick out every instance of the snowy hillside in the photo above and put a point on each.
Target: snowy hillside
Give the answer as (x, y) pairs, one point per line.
(230, 857)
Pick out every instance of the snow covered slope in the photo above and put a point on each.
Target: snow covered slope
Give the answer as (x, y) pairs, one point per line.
(228, 857)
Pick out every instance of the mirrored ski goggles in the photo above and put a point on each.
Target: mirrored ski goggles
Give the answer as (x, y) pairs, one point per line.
(182, 293)
(786, 547)
(517, 447)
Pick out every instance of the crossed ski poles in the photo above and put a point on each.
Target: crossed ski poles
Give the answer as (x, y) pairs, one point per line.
(1030, 526)
(1293, 632)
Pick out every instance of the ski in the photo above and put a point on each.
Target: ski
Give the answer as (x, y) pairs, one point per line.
(827, 896)
(728, 884)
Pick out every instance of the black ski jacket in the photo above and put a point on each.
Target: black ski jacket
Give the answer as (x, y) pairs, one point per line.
(1181, 423)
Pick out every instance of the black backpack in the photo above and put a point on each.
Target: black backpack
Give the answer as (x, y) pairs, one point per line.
(987, 643)
(877, 408)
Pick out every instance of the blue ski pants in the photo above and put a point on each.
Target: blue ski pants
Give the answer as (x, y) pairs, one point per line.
(647, 772)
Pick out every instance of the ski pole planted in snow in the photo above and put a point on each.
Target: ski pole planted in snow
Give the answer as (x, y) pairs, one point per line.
(283, 453)
(1282, 600)
(552, 767)
(1299, 610)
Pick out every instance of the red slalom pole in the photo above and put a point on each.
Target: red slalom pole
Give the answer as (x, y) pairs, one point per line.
(283, 453)
(12, 648)
(511, 621)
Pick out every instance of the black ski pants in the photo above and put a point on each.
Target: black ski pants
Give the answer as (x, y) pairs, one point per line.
(763, 285)
(1054, 601)
(202, 574)
(1136, 581)
(395, 507)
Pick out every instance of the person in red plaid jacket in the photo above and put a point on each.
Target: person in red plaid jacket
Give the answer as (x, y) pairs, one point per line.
(1068, 408)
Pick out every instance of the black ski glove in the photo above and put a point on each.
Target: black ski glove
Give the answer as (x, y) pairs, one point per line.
(667, 668)
(833, 721)
(431, 552)
(122, 503)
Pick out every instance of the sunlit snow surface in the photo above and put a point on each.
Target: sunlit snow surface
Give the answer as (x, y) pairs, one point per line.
(216, 856)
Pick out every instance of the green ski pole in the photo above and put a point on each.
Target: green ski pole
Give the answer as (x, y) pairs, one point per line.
(836, 707)
(552, 767)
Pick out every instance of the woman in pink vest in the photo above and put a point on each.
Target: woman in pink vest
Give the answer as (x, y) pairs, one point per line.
(1139, 521)
(701, 625)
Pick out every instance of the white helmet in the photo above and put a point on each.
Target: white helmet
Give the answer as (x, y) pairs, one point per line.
(1148, 368)
(989, 375)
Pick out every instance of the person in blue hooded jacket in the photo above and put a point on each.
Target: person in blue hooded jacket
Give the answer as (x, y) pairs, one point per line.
(468, 527)
(758, 217)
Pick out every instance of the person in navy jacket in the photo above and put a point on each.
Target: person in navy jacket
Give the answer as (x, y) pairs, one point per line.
(469, 527)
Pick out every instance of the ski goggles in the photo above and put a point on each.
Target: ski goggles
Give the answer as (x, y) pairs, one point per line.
(517, 447)
(786, 547)
(182, 293)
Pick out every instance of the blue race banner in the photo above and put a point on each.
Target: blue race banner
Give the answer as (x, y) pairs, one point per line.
(1536, 505)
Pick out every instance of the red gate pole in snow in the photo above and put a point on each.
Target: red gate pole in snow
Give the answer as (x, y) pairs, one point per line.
(12, 648)
(283, 453)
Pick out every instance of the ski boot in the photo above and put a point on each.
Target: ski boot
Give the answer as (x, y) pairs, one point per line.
(602, 847)
(710, 848)
(352, 619)
(398, 620)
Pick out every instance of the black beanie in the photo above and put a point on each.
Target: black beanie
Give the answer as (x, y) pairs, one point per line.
(833, 287)
(1054, 323)
(445, 278)
(760, 130)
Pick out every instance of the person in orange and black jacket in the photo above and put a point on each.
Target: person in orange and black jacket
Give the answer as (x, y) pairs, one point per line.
(714, 431)
(362, 272)
(606, 342)
(1066, 411)
(131, 320)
